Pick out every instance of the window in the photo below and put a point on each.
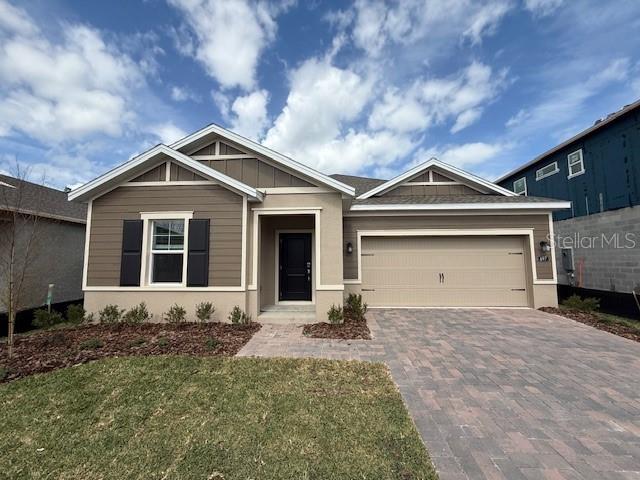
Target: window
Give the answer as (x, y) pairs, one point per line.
(576, 164)
(547, 171)
(520, 186)
(167, 250)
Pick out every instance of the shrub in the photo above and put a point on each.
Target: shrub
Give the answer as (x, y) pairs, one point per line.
(90, 318)
(91, 344)
(110, 314)
(137, 342)
(575, 302)
(335, 315)
(4, 372)
(42, 318)
(204, 310)
(75, 314)
(137, 314)
(238, 317)
(212, 343)
(176, 314)
(355, 308)
(163, 342)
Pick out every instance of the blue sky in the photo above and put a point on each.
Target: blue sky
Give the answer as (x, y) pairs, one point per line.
(368, 88)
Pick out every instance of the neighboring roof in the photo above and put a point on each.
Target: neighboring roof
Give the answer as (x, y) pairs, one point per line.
(31, 198)
(116, 175)
(455, 202)
(434, 162)
(596, 126)
(361, 184)
(267, 152)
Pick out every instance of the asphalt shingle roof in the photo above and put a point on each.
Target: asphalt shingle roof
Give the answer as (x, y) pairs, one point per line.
(31, 197)
(440, 199)
(361, 184)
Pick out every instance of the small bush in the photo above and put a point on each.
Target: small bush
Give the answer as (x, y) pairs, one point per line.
(137, 342)
(91, 344)
(137, 314)
(204, 310)
(335, 315)
(90, 318)
(163, 342)
(212, 343)
(110, 314)
(575, 302)
(75, 314)
(4, 372)
(42, 318)
(238, 317)
(176, 314)
(355, 308)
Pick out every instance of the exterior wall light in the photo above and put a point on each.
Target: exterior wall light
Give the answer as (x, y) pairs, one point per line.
(545, 247)
(349, 248)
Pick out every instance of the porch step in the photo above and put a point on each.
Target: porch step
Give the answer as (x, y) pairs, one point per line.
(284, 314)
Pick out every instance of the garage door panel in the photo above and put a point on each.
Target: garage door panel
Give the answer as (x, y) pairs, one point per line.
(478, 271)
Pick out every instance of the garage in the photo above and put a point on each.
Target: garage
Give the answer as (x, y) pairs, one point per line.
(444, 271)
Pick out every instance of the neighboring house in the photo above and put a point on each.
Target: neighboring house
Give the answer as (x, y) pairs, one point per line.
(216, 217)
(54, 229)
(598, 239)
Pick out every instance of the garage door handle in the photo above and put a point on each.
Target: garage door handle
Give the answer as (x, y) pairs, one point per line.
(368, 289)
(518, 289)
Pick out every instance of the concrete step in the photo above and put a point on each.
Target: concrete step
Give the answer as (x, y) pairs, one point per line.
(287, 314)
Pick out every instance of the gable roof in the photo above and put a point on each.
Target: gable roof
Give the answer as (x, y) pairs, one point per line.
(267, 152)
(434, 162)
(596, 126)
(361, 184)
(33, 199)
(113, 177)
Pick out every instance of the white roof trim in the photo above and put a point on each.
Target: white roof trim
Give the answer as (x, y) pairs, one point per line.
(465, 206)
(82, 192)
(434, 162)
(267, 152)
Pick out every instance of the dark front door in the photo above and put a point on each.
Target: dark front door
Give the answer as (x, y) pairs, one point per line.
(295, 266)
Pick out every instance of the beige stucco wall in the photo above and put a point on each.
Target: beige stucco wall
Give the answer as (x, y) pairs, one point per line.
(160, 302)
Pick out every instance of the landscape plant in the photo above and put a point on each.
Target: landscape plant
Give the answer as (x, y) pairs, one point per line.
(110, 314)
(335, 315)
(204, 311)
(355, 308)
(137, 314)
(575, 302)
(75, 314)
(238, 317)
(176, 314)
(43, 318)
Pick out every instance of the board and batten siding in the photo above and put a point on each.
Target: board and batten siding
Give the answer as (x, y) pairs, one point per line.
(221, 206)
(539, 224)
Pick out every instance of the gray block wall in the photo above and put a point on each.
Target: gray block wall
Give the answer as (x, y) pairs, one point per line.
(606, 250)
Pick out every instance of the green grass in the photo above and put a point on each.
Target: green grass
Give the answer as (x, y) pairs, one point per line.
(209, 418)
(615, 320)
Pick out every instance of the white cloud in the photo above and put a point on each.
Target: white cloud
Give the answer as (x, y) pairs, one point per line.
(463, 156)
(542, 7)
(167, 132)
(461, 97)
(182, 94)
(62, 91)
(227, 37)
(378, 24)
(250, 114)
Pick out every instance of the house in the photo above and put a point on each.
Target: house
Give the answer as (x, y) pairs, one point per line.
(598, 239)
(217, 217)
(49, 232)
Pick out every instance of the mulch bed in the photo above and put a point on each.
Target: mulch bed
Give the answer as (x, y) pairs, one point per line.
(348, 330)
(53, 349)
(593, 320)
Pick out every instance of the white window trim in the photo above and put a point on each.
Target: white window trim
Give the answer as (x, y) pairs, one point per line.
(553, 172)
(147, 237)
(582, 170)
(525, 186)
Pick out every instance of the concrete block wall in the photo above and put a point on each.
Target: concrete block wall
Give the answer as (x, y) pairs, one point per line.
(606, 250)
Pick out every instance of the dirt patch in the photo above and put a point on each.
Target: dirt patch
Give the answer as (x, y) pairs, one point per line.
(594, 320)
(50, 350)
(348, 330)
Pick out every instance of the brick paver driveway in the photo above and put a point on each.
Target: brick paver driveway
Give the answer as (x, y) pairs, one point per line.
(501, 394)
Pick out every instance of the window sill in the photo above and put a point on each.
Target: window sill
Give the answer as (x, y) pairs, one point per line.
(575, 175)
(547, 175)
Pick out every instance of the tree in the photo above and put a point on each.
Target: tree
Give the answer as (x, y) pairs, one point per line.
(19, 236)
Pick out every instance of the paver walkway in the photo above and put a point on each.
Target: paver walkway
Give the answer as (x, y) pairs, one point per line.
(500, 394)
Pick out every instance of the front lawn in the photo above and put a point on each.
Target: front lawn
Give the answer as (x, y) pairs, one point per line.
(209, 418)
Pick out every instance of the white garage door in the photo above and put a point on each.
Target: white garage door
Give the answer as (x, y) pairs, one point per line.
(444, 271)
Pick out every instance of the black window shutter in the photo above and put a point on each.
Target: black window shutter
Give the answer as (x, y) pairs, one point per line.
(131, 253)
(198, 258)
